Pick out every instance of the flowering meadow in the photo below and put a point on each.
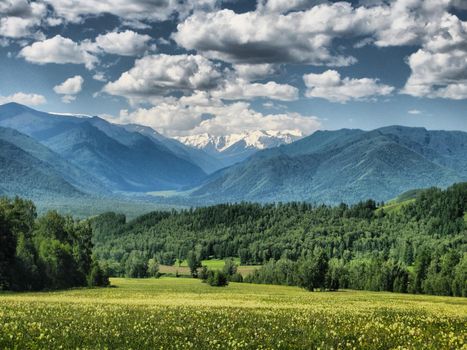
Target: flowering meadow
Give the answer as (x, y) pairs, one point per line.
(171, 313)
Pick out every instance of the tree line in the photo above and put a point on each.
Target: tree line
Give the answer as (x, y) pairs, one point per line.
(419, 246)
(49, 252)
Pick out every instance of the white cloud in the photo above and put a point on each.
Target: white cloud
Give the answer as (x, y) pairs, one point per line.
(414, 111)
(282, 6)
(275, 34)
(58, 50)
(127, 43)
(21, 18)
(68, 98)
(439, 69)
(24, 98)
(71, 86)
(157, 75)
(62, 50)
(303, 31)
(330, 86)
(242, 89)
(99, 76)
(255, 71)
(257, 37)
(132, 12)
(187, 116)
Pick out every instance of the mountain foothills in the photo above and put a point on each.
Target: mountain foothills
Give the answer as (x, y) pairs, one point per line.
(416, 245)
(67, 158)
(119, 159)
(343, 166)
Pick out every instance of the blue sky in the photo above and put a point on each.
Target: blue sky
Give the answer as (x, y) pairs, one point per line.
(189, 67)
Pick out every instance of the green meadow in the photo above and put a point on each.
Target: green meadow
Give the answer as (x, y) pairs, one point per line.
(184, 313)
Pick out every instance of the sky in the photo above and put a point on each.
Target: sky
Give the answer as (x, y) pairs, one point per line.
(187, 67)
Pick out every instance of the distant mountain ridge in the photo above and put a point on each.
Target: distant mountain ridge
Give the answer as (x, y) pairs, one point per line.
(234, 148)
(43, 154)
(121, 160)
(344, 166)
(22, 174)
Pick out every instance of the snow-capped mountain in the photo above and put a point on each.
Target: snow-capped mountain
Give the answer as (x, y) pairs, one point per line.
(260, 139)
(237, 147)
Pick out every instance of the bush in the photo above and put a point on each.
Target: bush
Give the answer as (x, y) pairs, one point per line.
(236, 277)
(217, 279)
(97, 277)
(153, 268)
(204, 273)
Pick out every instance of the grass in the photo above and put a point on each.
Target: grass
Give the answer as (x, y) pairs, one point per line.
(172, 313)
(215, 264)
(396, 206)
(212, 264)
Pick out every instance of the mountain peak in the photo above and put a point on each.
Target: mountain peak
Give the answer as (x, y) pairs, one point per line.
(256, 139)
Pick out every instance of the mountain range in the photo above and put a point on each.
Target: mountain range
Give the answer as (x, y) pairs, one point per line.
(234, 148)
(68, 156)
(118, 159)
(343, 166)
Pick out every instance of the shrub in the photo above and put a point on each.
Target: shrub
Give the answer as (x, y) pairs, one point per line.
(97, 277)
(217, 279)
(236, 277)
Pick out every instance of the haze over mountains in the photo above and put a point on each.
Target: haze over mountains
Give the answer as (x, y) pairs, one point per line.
(47, 155)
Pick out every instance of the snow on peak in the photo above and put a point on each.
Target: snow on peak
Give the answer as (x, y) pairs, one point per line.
(258, 139)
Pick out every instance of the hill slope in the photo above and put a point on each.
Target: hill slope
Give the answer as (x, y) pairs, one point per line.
(24, 175)
(121, 159)
(344, 166)
(69, 172)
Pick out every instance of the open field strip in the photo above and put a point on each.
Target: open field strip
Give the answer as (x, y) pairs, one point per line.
(172, 313)
(212, 264)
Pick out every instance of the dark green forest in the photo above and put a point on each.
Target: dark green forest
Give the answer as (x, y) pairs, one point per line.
(418, 246)
(45, 253)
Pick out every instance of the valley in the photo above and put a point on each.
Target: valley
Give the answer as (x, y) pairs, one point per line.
(75, 159)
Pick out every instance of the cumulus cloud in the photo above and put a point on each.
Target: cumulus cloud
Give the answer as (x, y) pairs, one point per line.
(283, 6)
(439, 69)
(242, 89)
(133, 12)
(330, 86)
(127, 43)
(306, 34)
(255, 71)
(303, 31)
(21, 18)
(24, 98)
(300, 37)
(58, 50)
(69, 88)
(62, 50)
(158, 75)
(99, 76)
(187, 116)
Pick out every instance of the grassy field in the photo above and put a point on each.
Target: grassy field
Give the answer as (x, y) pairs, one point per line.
(212, 264)
(184, 313)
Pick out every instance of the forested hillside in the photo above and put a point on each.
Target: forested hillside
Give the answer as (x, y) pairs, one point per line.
(343, 166)
(419, 246)
(50, 252)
